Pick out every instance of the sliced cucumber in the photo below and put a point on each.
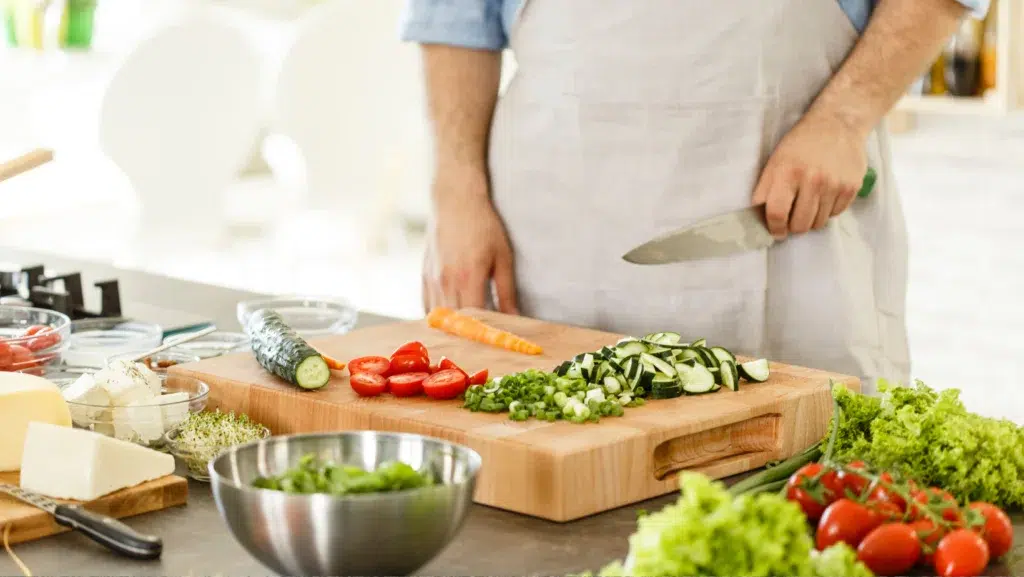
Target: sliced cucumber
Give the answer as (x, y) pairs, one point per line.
(699, 343)
(282, 352)
(563, 368)
(666, 388)
(630, 349)
(730, 376)
(662, 367)
(709, 358)
(754, 371)
(698, 380)
(612, 385)
(722, 355)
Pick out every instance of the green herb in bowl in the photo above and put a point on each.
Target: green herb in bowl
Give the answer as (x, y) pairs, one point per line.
(205, 435)
(312, 475)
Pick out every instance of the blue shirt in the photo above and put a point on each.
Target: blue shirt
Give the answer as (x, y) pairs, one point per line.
(484, 24)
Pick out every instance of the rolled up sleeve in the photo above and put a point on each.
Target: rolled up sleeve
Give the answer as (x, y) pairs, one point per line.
(464, 23)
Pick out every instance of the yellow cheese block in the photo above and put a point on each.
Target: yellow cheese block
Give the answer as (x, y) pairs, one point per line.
(23, 399)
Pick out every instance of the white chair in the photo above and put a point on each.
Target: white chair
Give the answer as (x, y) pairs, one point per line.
(348, 95)
(179, 118)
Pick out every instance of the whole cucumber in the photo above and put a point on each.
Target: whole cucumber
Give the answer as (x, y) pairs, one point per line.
(282, 352)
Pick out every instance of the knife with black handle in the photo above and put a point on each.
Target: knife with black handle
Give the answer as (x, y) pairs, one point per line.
(106, 531)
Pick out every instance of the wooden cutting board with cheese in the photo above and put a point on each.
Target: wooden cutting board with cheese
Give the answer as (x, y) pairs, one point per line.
(555, 470)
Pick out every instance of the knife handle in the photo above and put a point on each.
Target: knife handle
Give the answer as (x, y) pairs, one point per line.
(109, 532)
(869, 183)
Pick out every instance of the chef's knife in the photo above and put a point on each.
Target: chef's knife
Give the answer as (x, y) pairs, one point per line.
(106, 531)
(722, 235)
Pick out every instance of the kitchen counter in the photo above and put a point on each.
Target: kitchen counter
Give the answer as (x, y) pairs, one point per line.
(197, 542)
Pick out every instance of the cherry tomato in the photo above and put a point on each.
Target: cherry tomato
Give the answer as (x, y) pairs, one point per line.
(36, 329)
(478, 378)
(890, 549)
(6, 356)
(997, 530)
(407, 385)
(886, 510)
(368, 384)
(962, 553)
(847, 521)
(445, 384)
(929, 535)
(434, 369)
(879, 493)
(45, 338)
(22, 359)
(851, 481)
(938, 501)
(446, 364)
(375, 365)
(813, 488)
(411, 348)
(401, 364)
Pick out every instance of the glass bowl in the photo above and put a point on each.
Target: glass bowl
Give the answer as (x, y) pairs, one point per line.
(309, 316)
(197, 463)
(212, 345)
(93, 341)
(32, 353)
(159, 362)
(145, 424)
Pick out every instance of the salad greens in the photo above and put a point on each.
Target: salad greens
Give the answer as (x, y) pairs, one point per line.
(710, 532)
(312, 475)
(544, 395)
(923, 434)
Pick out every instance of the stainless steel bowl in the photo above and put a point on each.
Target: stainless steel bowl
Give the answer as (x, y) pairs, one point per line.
(372, 534)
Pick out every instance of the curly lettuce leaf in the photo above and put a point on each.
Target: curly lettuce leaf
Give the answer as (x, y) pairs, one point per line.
(839, 560)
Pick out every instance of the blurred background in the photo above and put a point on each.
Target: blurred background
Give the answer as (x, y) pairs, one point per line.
(280, 146)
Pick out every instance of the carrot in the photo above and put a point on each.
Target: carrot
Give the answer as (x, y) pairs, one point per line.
(333, 364)
(460, 325)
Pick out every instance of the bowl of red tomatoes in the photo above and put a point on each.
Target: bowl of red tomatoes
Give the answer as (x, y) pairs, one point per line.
(32, 339)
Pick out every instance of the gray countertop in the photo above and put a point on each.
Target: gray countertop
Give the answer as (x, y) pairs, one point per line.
(197, 542)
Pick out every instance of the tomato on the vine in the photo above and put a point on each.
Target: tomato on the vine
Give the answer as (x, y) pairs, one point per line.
(929, 535)
(883, 492)
(847, 521)
(851, 481)
(962, 553)
(814, 488)
(890, 549)
(997, 529)
(938, 501)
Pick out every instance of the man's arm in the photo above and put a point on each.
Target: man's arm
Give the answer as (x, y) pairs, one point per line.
(900, 42)
(462, 88)
(815, 171)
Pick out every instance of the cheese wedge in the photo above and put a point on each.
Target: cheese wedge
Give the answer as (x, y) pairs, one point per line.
(66, 463)
(25, 398)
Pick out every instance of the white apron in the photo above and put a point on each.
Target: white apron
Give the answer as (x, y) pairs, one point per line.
(628, 119)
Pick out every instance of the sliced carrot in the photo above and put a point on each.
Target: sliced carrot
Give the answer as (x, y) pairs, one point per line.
(466, 327)
(333, 364)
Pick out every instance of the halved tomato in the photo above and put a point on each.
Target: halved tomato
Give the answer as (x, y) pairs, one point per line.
(447, 364)
(407, 385)
(478, 378)
(411, 348)
(368, 384)
(410, 363)
(445, 384)
(375, 365)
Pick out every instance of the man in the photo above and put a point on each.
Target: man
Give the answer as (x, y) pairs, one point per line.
(630, 118)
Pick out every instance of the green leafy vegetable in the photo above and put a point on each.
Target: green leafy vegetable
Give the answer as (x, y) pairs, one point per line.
(206, 434)
(710, 532)
(312, 475)
(546, 396)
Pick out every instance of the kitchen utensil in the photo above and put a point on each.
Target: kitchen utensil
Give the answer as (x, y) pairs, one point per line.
(180, 340)
(215, 345)
(147, 425)
(158, 362)
(106, 531)
(40, 351)
(28, 523)
(309, 316)
(171, 333)
(544, 469)
(24, 163)
(368, 534)
(739, 231)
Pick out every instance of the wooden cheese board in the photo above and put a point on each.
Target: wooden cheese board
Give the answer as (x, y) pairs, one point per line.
(558, 471)
(29, 523)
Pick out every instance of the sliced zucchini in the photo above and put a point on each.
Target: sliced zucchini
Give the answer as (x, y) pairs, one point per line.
(754, 371)
(722, 354)
(662, 367)
(698, 380)
(729, 375)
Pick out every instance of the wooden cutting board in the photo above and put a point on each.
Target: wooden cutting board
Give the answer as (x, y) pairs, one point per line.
(29, 523)
(558, 471)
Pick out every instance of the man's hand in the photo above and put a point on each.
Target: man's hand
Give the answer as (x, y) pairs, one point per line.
(813, 174)
(819, 166)
(467, 248)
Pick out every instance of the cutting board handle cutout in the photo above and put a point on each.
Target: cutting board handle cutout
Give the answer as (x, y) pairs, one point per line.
(756, 438)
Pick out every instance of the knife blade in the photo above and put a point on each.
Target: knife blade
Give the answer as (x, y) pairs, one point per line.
(738, 231)
(106, 531)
